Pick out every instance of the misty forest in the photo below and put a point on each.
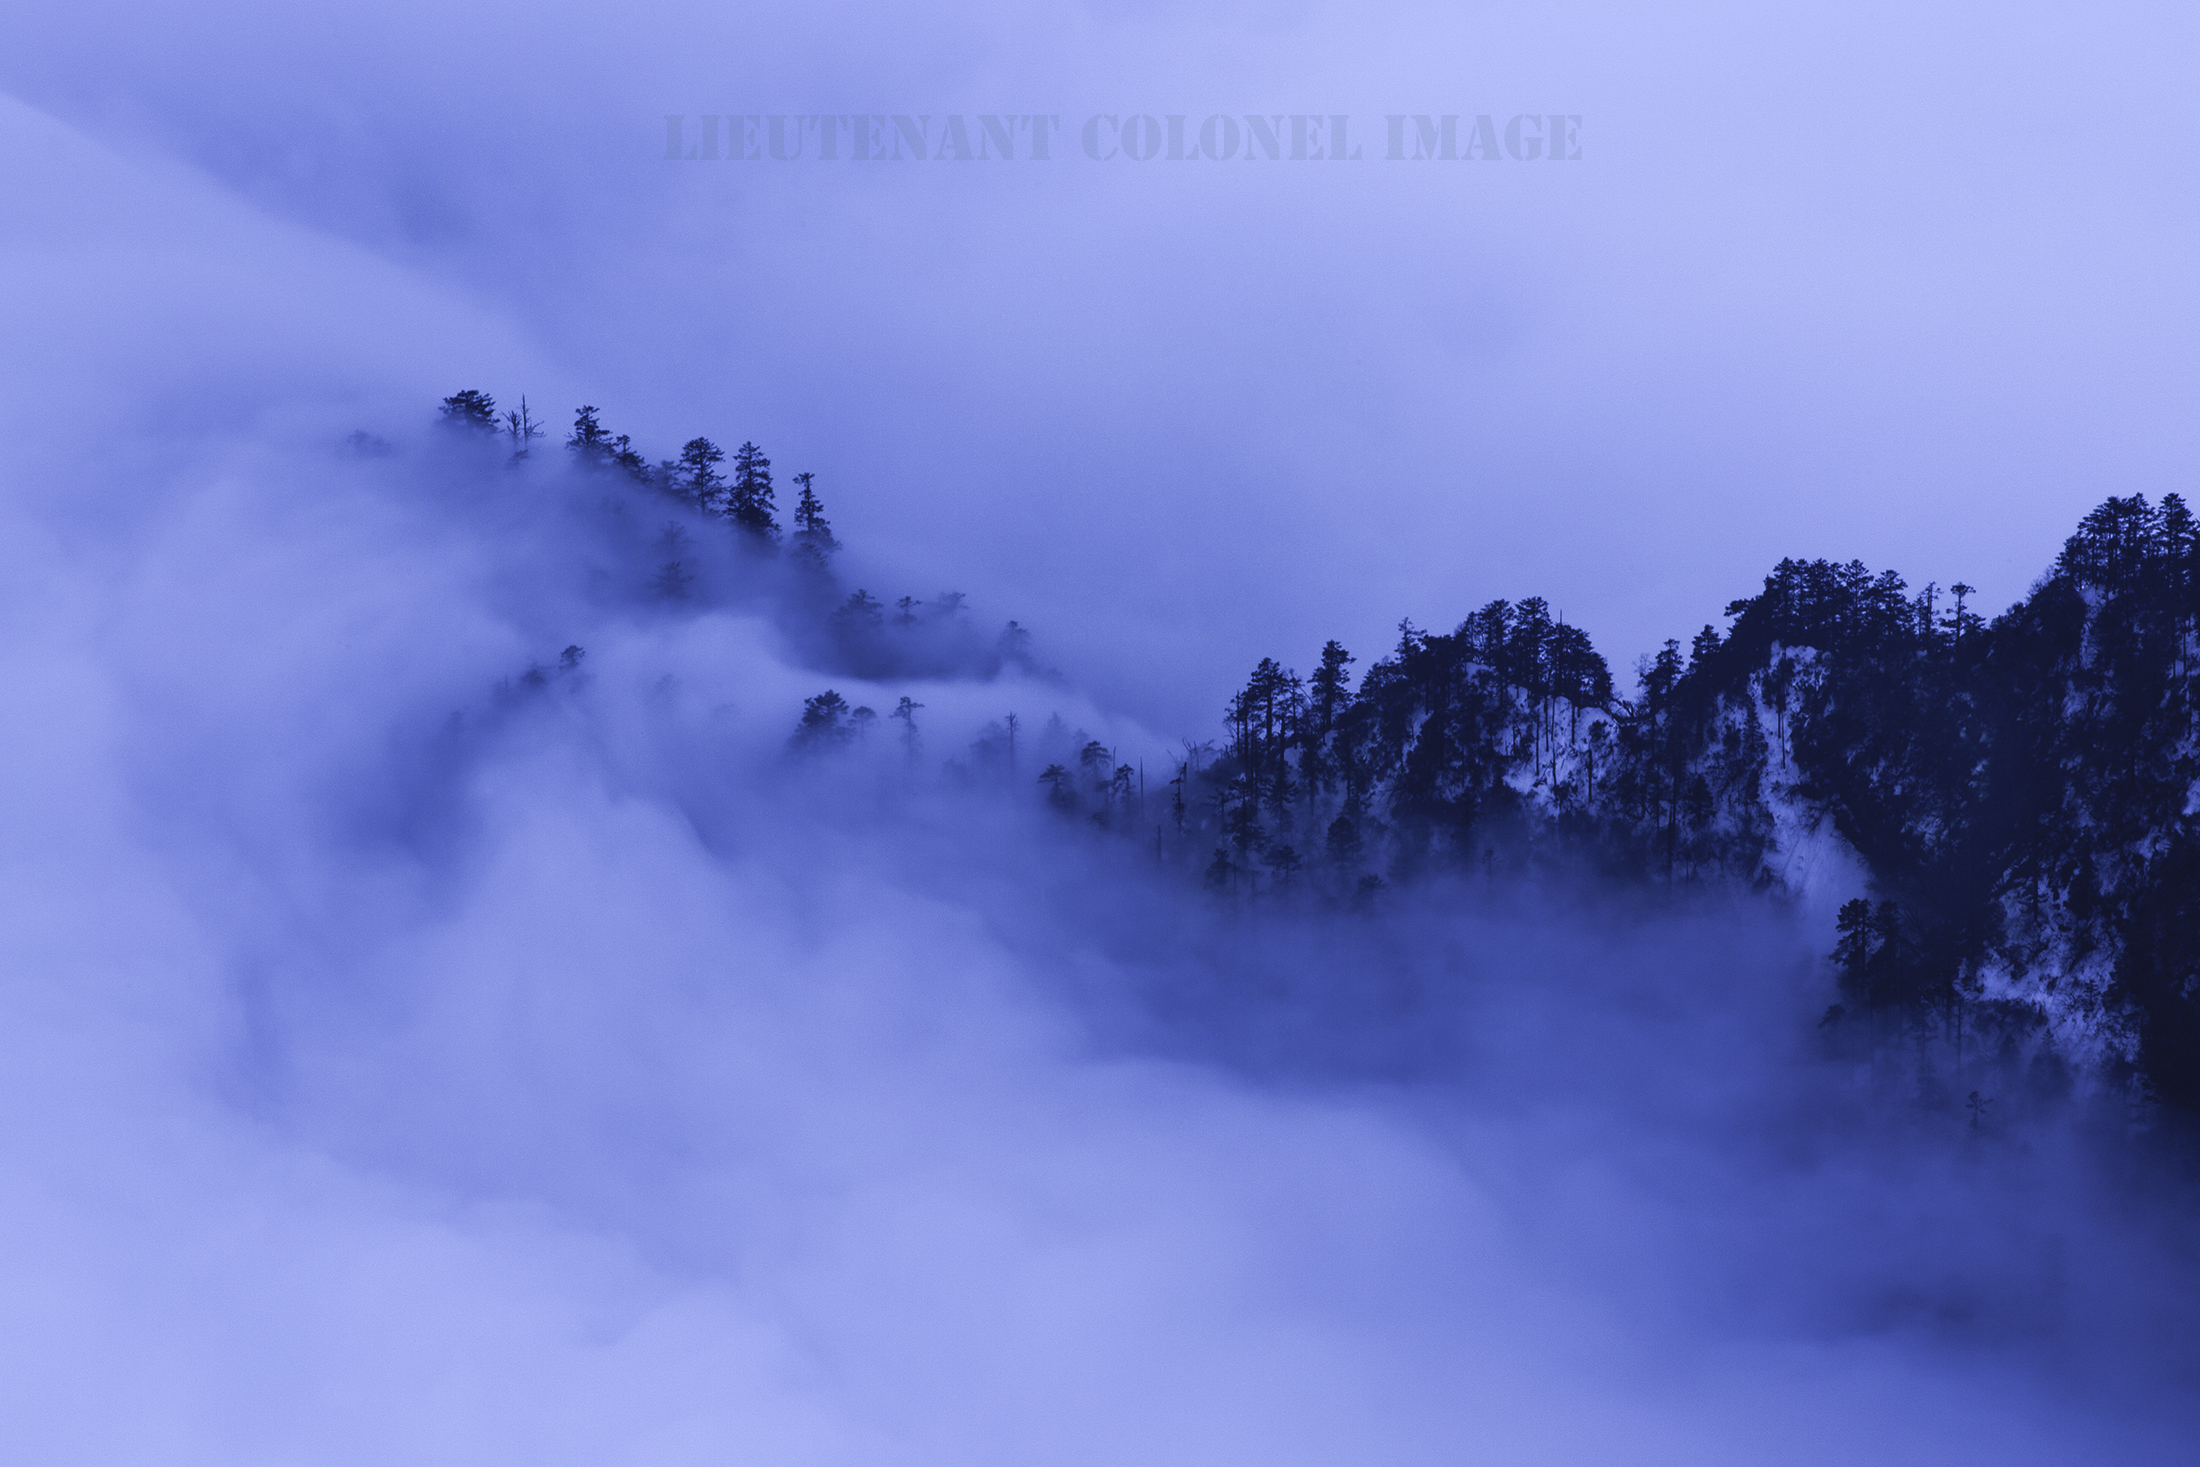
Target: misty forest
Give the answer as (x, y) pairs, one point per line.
(1100, 735)
(2018, 794)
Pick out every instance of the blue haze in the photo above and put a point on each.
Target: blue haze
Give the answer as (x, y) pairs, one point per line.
(583, 1088)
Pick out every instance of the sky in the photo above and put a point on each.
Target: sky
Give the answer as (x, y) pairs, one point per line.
(394, 1066)
(1899, 284)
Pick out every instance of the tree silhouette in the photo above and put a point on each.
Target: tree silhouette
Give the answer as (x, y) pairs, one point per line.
(520, 426)
(749, 500)
(905, 713)
(1061, 787)
(1343, 843)
(696, 475)
(860, 616)
(470, 411)
(827, 724)
(590, 445)
(2017, 787)
(1014, 643)
(813, 536)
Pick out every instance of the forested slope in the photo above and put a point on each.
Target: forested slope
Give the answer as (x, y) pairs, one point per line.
(2021, 791)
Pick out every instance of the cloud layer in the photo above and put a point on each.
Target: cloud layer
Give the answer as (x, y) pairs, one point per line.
(398, 1070)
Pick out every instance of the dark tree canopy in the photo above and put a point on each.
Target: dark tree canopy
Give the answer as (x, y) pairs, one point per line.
(696, 474)
(471, 410)
(813, 535)
(749, 501)
(2019, 788)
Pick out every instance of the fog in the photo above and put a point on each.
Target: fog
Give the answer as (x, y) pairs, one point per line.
(1874, 281)
(581, 1080)
(407, 1061)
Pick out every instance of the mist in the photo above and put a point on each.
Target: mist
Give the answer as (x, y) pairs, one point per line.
(1855, 282)
(423, 1044)
(410, 1059)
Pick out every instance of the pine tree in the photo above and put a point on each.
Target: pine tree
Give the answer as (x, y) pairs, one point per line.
(470, 411)
(1014, 643)
(630, 462)
(590, 445)
(827, 723)
(1343, 844)
(749, 502)
(2181, 554)
(1330, 687)
(905, 713)
(860, 616)
(813, 537)
(696, 475)
(1244, 829)
(1095, 760)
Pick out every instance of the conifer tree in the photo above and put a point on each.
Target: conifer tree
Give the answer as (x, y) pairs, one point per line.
(696, 475)
(813, 536)
(471, 411)
(1343, 844)
(905, 713)
(1095, 760)
(1330, 688)
(827, 723)
(2181, 554)
(749, 502)
(1245, 831)
(1014, 643)
(590, 445)
(628, 461)
(859, 616)
(1963, 624)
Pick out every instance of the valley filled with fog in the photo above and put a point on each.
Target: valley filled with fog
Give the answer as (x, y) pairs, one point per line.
(464, 999)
